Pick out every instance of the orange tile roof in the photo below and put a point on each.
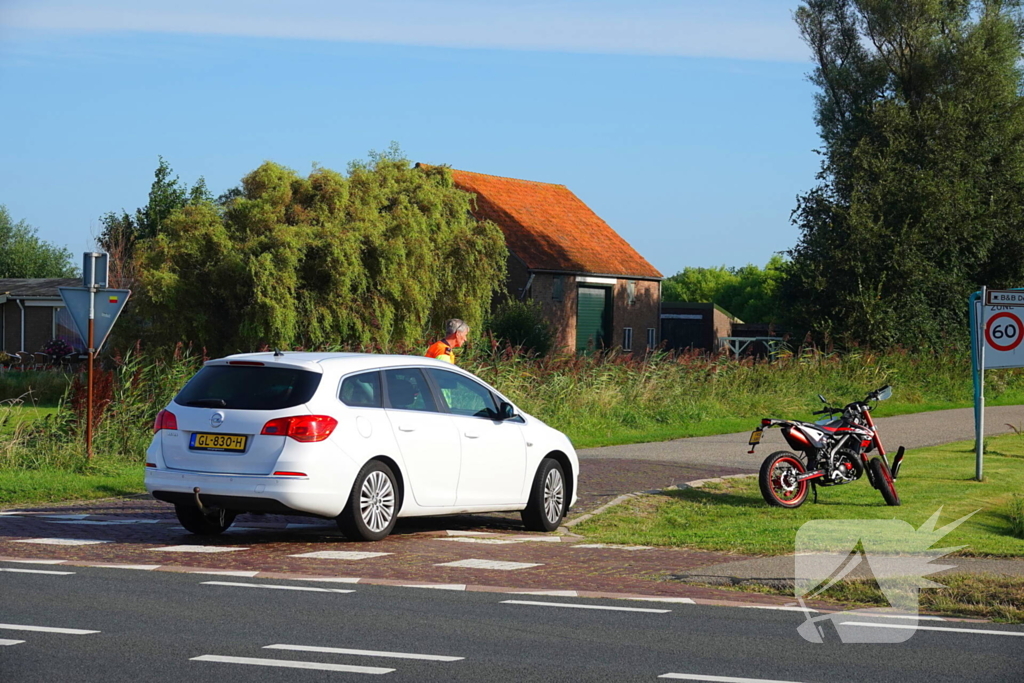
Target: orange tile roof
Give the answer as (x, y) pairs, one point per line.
(548, 228)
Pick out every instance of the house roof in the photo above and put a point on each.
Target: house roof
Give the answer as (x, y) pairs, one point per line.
(548, 228)
(18, 288)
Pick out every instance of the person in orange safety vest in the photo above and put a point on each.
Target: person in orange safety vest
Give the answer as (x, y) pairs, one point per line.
(456, 332)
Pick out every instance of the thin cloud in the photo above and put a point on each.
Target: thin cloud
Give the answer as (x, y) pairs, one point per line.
(741, 29)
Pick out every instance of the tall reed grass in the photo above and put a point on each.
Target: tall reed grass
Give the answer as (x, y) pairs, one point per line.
(598, 399)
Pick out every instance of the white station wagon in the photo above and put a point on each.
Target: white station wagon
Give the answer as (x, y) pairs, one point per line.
(360, 438)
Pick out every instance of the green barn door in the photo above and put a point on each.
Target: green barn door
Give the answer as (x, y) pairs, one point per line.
(592, 313)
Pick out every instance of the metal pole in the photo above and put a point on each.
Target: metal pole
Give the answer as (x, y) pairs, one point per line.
(979, 441)
(92, 354)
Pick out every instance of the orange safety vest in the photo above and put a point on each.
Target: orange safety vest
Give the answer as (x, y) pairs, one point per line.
(441, 351)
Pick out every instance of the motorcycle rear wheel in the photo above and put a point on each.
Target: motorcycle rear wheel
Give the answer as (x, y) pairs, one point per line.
(883, 481)
(777, 480)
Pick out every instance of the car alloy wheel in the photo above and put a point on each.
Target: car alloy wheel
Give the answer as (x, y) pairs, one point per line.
(377, 501)
(554, 496)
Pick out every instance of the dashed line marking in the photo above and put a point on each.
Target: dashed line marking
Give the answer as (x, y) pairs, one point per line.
(719, 679)
(139, 567)
(576, 606)
(325, 579)
(553, 593)
(224, 572)
(36, 561)
(363, 653)
(46, 629)
(4, 641)
(681, 601)
(292, 664)
(489, 564)
(310, 589)
(438, 586)
(34, 571)
(341, 555)
(934, 628)
(610, 546)
(196, 549)
(476, 539)
(60, 541)
(456, 532)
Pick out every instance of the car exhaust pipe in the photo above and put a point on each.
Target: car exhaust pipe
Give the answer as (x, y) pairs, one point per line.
(896, 462)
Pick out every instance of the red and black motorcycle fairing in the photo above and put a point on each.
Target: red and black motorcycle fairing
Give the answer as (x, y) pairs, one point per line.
(835, 451)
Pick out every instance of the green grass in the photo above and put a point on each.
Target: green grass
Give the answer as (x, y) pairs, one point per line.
(24, 487)
(733, 517)
(14, 416)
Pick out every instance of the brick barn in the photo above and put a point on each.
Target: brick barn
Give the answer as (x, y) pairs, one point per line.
(592, 286)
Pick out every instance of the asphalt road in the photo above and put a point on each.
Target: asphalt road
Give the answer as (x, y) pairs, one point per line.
(730, 450)
(181, 627)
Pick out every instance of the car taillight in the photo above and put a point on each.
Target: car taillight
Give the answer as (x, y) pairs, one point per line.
(305, 428)
(165, 420)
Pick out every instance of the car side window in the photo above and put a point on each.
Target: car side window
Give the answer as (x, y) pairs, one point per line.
(408, 390)
(362, 391)
(463, 396)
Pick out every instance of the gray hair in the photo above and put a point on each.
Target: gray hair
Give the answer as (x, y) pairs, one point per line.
(454, 326)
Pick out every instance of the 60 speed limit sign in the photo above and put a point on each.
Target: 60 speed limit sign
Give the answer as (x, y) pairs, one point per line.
(1003, 331)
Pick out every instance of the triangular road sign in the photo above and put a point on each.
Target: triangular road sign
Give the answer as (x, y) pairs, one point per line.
(108, 306)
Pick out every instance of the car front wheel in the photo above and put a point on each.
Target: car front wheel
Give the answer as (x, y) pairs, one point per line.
(546, 507)
(372, 508)
(204, 523)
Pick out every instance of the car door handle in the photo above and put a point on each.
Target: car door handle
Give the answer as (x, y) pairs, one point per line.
(472, 435)
(403, 428)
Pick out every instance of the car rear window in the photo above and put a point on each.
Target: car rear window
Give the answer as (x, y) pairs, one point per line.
(248, 388)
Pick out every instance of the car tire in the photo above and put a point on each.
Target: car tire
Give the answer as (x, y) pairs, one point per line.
(204, 524)
(372, 508)
(546, 507)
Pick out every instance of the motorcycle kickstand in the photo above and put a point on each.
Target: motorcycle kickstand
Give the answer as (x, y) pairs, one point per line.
(814, 487)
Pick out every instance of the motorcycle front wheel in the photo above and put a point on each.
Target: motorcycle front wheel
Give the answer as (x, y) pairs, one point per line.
(778, 483)
(883, 481)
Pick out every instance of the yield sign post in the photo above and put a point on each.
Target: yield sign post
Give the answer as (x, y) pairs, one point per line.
(95, 309)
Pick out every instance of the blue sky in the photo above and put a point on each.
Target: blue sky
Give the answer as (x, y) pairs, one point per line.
(687, 127)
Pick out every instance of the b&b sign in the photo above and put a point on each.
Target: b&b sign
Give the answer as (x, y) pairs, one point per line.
(1002, 314)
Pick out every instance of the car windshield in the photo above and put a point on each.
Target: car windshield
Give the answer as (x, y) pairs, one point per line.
(248, 388)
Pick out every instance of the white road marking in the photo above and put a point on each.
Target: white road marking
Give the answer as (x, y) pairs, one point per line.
(223, 572)
(46, 629)
(36, 561)
(611, 546)
(489, 564)
(872, 615)
(341, 555)
(328, 579)
(107, 522)
(140, 567)
(476, 539)
(63, 516)
(933, 628)
(34, 571)
(554, 594)
(59, 541)
(311, 589)
(439, 586)
(455, 532)
(292, 664)
(4, 641)
(575, 606)
(780, 608)
(682, 601)
(537, 539)
(365, 653)
(719, 679)
(196, 549)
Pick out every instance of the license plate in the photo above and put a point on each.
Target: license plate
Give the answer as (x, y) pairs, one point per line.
(755, 437)
(218, 442)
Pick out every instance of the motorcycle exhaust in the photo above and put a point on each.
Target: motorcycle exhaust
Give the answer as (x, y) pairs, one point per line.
(896, 462)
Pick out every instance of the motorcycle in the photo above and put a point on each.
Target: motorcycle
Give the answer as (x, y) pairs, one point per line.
(832, 451)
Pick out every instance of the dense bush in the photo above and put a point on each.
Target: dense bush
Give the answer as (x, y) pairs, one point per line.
(521, 325)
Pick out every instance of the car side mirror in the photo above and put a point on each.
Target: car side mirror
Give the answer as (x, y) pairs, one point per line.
(506, 411)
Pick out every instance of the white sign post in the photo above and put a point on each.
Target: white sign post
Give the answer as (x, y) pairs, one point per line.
(997, 330)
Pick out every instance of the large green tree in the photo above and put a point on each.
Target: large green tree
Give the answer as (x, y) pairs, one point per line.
(920, 195)
(24, 255)
(750, 293)
(381, 255)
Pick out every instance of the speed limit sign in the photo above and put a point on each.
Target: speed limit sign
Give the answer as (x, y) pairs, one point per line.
(1003, 331)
